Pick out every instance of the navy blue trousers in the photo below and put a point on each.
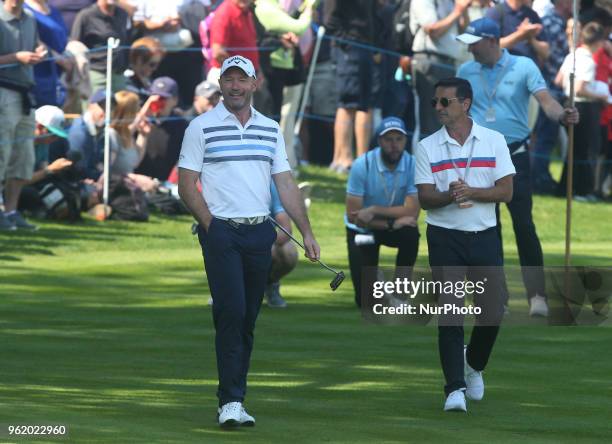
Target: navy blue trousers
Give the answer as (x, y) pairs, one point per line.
(237, 262)
(453, 256)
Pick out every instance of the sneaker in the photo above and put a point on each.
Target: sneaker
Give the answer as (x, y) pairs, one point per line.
(230, 414)
(606, 186)
(17, 219)
(593, 198)
(343, 169)
(245, 420)
(273, 296)
(5, 223)
(210, 301)
(473, 380)
(455, 402)
(581, 198)
(538, 306)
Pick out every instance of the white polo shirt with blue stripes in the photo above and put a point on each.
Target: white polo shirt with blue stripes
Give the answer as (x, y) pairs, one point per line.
(439, 161)
(235, 162)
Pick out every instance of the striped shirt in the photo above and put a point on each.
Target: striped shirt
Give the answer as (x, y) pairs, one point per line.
(235, 162)
(438, 157)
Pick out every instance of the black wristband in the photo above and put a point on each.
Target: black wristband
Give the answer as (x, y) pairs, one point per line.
(390, 223)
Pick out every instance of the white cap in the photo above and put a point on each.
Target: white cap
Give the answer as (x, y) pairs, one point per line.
(239, 62)
(52, 118)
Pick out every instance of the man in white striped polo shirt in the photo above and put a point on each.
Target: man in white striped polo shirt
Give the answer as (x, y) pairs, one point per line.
(235, 151)
(462, 170)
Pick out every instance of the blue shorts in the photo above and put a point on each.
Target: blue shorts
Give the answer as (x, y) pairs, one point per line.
(354, 79)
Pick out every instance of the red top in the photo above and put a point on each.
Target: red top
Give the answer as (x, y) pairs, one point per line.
(233, 27)
(603, 72)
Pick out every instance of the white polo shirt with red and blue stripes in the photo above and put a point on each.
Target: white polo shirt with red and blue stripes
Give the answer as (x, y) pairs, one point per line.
(440, 160)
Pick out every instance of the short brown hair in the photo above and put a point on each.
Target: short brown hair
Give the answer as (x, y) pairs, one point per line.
(592, 33)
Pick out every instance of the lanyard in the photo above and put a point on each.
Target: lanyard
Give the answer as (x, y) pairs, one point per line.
(468, 163)
(383, 179)
(500, 76)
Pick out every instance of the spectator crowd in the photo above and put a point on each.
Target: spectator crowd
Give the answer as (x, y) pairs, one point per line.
(378, 59)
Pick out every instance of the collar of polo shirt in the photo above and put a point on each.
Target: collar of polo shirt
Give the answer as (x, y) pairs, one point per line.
(503, 59)
(380, 165)
(445, 138)
(224, 113)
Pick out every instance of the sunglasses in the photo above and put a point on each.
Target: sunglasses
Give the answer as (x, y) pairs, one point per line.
(443, 101)
(153, 64)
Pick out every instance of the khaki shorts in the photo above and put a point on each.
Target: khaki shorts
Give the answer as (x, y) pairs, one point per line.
(16, 138)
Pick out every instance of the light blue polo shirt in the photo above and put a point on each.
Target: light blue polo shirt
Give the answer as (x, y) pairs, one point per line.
(368, 176)
(521, 78)
(275, 203)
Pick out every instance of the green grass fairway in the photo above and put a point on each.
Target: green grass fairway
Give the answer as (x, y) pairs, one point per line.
(104, 327)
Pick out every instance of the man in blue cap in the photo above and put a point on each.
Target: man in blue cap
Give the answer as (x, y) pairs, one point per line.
(502, 85)
(381, 203)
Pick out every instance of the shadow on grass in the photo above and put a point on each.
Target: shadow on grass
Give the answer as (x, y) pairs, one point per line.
(14, 246)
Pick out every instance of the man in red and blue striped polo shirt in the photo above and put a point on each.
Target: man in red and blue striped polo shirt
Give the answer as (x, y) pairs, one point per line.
(462, 171)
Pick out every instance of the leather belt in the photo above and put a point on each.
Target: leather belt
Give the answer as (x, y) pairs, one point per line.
(236, 221)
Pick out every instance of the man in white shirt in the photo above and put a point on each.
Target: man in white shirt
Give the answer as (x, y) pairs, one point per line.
(235, 151)
(462, 171)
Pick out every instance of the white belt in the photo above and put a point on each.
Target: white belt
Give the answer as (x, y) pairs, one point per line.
(255, 220)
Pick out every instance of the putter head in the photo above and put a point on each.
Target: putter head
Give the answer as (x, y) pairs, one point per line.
(335, 283)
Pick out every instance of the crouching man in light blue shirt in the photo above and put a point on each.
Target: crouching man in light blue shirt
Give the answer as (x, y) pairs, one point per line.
(381, 204)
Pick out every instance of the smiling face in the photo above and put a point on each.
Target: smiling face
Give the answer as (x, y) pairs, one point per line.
(237, 89)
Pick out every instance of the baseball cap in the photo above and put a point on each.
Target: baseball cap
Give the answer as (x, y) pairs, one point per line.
(164, 87)
(239, 62)
(391, 124)
(52, 118)
(479, 29)
(207, 90)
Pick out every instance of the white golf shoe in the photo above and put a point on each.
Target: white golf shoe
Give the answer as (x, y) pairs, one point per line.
(246, 419)
(233, 414)
(455, 402)
(473, 380)
(538, 306)
(230, 414)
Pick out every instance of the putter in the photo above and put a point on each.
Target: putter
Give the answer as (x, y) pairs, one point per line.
(337, 280)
